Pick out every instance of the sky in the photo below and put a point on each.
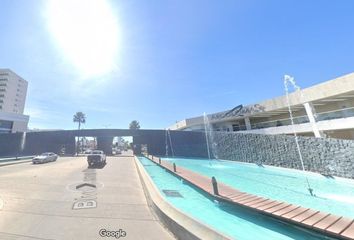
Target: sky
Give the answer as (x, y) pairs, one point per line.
(161, 61)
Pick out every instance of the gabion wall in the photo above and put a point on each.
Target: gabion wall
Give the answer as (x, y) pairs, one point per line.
(323, 155)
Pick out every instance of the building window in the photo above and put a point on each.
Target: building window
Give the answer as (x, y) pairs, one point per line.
(236, 127)
(6, 125)
(3, 79)
(2, 90)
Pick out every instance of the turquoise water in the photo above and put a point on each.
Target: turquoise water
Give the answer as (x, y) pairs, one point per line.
(334, 196)
(232, 221)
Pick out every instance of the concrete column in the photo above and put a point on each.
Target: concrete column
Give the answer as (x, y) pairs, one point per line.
(310, 111)
(136, 149)
(248, 123)
(70, 145)
(105, 144)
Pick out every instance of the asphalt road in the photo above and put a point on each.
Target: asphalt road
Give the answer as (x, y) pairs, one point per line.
(66, 200)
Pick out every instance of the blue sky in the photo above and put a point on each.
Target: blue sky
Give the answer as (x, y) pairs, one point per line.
(172, 59)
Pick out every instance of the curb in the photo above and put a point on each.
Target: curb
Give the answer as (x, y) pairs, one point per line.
(14, 162)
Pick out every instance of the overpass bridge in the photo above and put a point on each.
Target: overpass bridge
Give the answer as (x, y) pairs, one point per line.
(183, 143)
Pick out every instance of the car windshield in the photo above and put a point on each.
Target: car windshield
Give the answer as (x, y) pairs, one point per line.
(97, 152)
(45, 154)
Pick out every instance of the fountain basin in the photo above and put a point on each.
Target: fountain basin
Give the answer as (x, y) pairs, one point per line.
(198, 202)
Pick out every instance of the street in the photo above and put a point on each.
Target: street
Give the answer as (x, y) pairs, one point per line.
(66, 200)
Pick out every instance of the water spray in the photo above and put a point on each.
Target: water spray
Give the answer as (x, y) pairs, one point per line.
(169, 136)
(289, 79)
(166, 144)
(206, 136)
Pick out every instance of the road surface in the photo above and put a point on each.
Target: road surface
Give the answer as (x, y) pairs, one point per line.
(66, 200)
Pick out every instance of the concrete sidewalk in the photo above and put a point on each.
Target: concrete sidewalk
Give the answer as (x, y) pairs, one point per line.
(38, 201)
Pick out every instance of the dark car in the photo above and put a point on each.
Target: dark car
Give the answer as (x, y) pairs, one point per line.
(97, 157)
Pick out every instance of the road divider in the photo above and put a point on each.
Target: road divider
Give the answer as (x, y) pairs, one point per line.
(15, 160)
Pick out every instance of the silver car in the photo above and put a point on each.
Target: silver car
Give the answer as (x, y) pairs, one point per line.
(45, 157)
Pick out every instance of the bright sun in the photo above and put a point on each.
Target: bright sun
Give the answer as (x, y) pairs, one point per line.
(86, 32)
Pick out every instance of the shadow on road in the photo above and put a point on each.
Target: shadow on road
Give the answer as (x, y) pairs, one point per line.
(97, 166)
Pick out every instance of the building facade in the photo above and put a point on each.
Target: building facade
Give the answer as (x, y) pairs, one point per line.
(13, 91)
(323, 110)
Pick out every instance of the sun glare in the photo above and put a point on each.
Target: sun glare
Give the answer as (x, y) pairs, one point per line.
(86, 32)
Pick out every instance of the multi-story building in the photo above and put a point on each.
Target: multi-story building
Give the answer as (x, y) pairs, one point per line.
(326, 109)
(13, 90)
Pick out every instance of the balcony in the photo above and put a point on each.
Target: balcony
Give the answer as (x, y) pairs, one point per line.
(342, 113)
(280, 122)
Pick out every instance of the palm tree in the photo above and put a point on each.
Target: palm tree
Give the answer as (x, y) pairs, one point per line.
(79, 117)
(134, 125)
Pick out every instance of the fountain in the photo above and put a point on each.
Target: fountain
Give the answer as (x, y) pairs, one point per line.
(209, 138)
(288, 79)
(23, 142)
(206, 134)
(169, 137)
(166, 143)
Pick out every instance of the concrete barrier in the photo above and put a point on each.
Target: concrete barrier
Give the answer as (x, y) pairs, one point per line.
(181, 225)
(15, 160)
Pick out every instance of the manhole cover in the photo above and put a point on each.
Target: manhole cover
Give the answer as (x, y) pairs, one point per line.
(172, 193)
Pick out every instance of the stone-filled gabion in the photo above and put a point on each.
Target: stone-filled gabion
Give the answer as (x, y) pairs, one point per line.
(323, 155)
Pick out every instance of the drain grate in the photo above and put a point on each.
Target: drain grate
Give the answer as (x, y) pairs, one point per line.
(172, 193)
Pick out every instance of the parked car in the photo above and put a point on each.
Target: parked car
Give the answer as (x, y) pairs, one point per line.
(117, 151)
(88, 151)
(45, 157)
(97, 157)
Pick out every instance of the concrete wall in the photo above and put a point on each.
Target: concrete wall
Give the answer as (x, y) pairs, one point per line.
(323, 155)
(36, 142)
(184, 143)
(10, 144)
(188, 144)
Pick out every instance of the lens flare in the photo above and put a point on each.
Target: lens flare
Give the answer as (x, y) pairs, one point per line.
(86, 32)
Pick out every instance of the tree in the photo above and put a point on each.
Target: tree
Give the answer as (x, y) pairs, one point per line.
(134, 125)
(80, 118)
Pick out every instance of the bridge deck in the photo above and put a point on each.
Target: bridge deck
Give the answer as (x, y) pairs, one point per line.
(325, 223)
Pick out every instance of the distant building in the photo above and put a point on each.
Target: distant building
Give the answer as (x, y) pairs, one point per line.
(326, 109)
(13, 91)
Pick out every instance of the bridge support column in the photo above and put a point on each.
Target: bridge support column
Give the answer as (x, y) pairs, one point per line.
(105, 144)
(136, 149)
(69, 146)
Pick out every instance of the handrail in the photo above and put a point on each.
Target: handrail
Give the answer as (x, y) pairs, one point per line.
(316, 115)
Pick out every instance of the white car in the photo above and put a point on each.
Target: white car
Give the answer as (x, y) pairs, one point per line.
(45, 157)
(97, 157)
(88, 151)
(117, 151)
